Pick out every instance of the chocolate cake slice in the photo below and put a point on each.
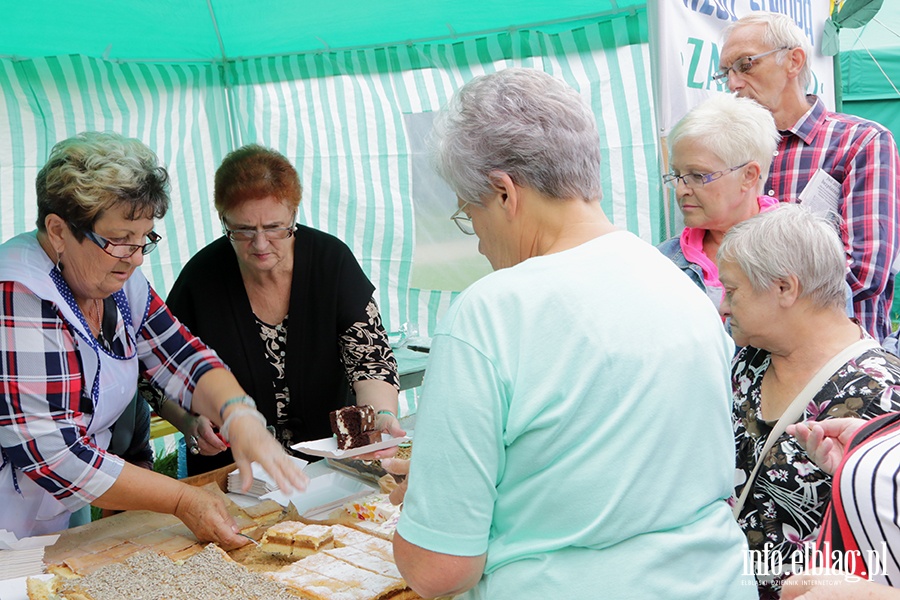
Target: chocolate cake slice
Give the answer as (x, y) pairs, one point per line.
(354, 426)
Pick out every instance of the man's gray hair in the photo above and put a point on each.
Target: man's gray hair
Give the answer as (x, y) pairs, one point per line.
(521, 122)
(737, 130)
(790, 240)
(780, 32)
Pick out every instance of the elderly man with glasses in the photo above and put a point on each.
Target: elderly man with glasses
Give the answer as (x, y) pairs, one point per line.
(836, 164)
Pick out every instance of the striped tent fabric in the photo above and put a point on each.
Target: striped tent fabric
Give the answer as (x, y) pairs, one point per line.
(339, 116)
(177, 110)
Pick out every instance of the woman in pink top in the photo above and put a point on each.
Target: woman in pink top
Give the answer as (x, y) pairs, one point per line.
(720, 154)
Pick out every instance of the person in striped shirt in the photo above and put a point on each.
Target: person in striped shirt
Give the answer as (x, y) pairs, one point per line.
(860, 536)
(835, 164)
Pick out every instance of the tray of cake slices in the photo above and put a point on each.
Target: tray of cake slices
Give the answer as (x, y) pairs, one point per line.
(346, 556)
(293, 559)
(354, 435)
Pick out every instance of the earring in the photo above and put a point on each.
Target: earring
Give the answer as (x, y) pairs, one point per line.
(58, 266)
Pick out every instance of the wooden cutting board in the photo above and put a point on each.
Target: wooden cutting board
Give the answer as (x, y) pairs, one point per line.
(85, 549)
(113, 538)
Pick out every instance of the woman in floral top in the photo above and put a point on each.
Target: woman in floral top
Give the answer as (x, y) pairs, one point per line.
(286, 307)
(783, 273)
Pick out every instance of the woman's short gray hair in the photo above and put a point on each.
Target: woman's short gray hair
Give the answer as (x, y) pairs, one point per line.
(521, 122)
(737, 130)
(790, 240)
(780, 32)
(92, 172)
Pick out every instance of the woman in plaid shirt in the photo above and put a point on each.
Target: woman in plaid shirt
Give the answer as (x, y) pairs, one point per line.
(78, 323)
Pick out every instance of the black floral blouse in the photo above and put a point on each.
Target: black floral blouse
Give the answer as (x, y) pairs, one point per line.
(785, 508)
(365, 353)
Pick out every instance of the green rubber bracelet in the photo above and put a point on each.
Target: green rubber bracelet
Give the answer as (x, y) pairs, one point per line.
(236, 400)
(386, 412)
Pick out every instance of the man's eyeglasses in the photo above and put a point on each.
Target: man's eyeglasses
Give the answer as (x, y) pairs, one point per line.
(122, 251)
(695, 180)
(462, 220)
(248, 235)
(743, 65)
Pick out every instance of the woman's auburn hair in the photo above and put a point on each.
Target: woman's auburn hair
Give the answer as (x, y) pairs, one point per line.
(252, 172)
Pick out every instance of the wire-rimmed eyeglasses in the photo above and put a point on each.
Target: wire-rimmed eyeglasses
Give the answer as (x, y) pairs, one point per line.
(122, 251)
(248, 235)
(743, 65)
(462, 220)
(695, 180)
(270, 233)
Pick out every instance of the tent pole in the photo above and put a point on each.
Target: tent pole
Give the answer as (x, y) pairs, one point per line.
(233, 130)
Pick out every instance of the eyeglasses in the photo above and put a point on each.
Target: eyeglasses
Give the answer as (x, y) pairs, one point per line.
(743, 65)
(248, 235)
(695, 180)
(462, 220)
(122, 250)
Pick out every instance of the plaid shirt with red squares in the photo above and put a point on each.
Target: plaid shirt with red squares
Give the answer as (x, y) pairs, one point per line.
(862, 157)
(43, 432)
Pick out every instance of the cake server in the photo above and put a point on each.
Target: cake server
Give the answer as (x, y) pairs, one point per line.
(249, 538)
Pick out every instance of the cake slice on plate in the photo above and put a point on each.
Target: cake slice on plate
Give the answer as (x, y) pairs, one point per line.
(354, 426)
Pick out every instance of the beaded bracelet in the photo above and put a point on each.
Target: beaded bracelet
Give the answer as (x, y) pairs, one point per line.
(386, 412)
(236, 400)
(237, 413)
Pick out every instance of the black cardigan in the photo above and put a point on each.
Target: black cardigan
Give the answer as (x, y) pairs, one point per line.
(329, 293)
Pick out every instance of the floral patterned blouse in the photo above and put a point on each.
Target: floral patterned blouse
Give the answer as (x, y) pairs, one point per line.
(785, 508)
(365, 353)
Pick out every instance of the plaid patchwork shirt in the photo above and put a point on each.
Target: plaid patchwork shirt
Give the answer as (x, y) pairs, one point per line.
(862, 156)
(42, 429)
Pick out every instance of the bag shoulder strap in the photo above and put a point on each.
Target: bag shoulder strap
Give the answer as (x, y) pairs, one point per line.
(799, 404)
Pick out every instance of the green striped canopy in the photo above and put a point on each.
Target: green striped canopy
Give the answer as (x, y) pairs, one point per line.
(194, 30)
(330, 86)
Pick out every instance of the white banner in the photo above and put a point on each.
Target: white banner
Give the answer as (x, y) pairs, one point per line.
(685, 39)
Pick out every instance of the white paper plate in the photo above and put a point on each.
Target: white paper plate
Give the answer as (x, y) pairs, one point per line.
(327, 447)
(324, 494)
(14, 589)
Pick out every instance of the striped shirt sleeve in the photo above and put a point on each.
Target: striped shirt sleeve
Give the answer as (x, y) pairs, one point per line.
(172, 359)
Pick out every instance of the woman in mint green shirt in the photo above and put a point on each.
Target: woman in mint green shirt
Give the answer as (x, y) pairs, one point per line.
(573, 438)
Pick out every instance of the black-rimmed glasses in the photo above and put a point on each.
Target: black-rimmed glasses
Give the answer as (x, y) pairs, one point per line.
(122, 251)
(462, 220)
(743, 65)
(695, 180)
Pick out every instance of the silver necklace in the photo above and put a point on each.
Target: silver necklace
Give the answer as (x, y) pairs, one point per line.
(98, 317)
